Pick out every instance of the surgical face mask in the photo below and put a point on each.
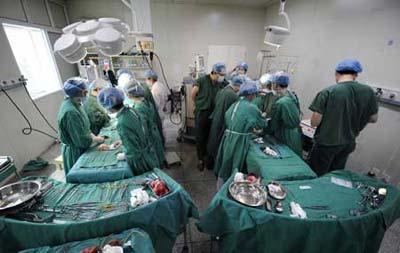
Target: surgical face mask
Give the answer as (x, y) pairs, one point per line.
(79, 100)
(83, 100)
(221, 79)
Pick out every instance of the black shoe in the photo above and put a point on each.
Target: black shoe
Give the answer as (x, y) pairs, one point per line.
(200, 165)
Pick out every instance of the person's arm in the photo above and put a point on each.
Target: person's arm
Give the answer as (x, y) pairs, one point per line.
(195, 91)
(373, 108)
(80, 136)
(316, 119)
(274, 123)
(318, 107)
(259, 123)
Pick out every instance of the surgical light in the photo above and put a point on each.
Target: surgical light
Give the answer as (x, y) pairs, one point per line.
(106, 35)
(275, 35)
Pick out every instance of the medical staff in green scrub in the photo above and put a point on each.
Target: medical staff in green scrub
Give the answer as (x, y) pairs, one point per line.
(224, 99)
(242, 119)
(124, 76)
(135, 92)
(73, 123)
(98, 117)
(266, 96)
(132, 130)
(203, 94)
(340, 112)
(285, 115)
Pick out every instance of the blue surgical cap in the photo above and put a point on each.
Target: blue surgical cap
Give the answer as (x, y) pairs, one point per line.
(219, 68)
(281, 78)
(134, 88)
(151, 74)
(243, 65)
(238, 80)
(249, 88)
(74, 86)
(124, 71)
(110, 97)
(349, 65)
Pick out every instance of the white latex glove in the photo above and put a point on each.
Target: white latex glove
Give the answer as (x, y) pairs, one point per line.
(121, 157)
(112, 249)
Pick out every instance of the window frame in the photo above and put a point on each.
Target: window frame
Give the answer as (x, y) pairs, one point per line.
(44, 32)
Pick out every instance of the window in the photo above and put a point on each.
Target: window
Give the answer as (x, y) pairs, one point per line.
(35, 59)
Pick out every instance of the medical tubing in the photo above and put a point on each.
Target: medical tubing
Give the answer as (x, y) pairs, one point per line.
(39, 111)
(27, 130)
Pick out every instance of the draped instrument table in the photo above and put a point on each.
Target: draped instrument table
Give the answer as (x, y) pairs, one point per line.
(288, 166)
(95, 166)
(139, 240)
(333, 229)
(163, 219)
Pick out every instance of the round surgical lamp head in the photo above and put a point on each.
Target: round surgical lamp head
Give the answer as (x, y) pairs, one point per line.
(109, 41)
(105, 35)
(71, 28)
(275, 35)
(115, 23)
(69, 48)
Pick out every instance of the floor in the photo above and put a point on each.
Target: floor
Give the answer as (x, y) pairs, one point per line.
(201, 187)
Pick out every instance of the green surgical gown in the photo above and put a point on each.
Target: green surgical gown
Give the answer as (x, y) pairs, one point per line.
(98, 117)
(224, 99)
(139, 151)
(74, 132)
(285, 122)
(149, 97)
(147, 112)
(265, 103)
(240, 120)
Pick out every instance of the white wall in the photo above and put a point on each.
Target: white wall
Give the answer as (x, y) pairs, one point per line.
(12, 142)
(324, 32)
(183, 30)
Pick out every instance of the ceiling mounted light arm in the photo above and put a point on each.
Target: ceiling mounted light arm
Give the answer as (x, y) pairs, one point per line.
(134, 17)
(275, 35)
(284, 14)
